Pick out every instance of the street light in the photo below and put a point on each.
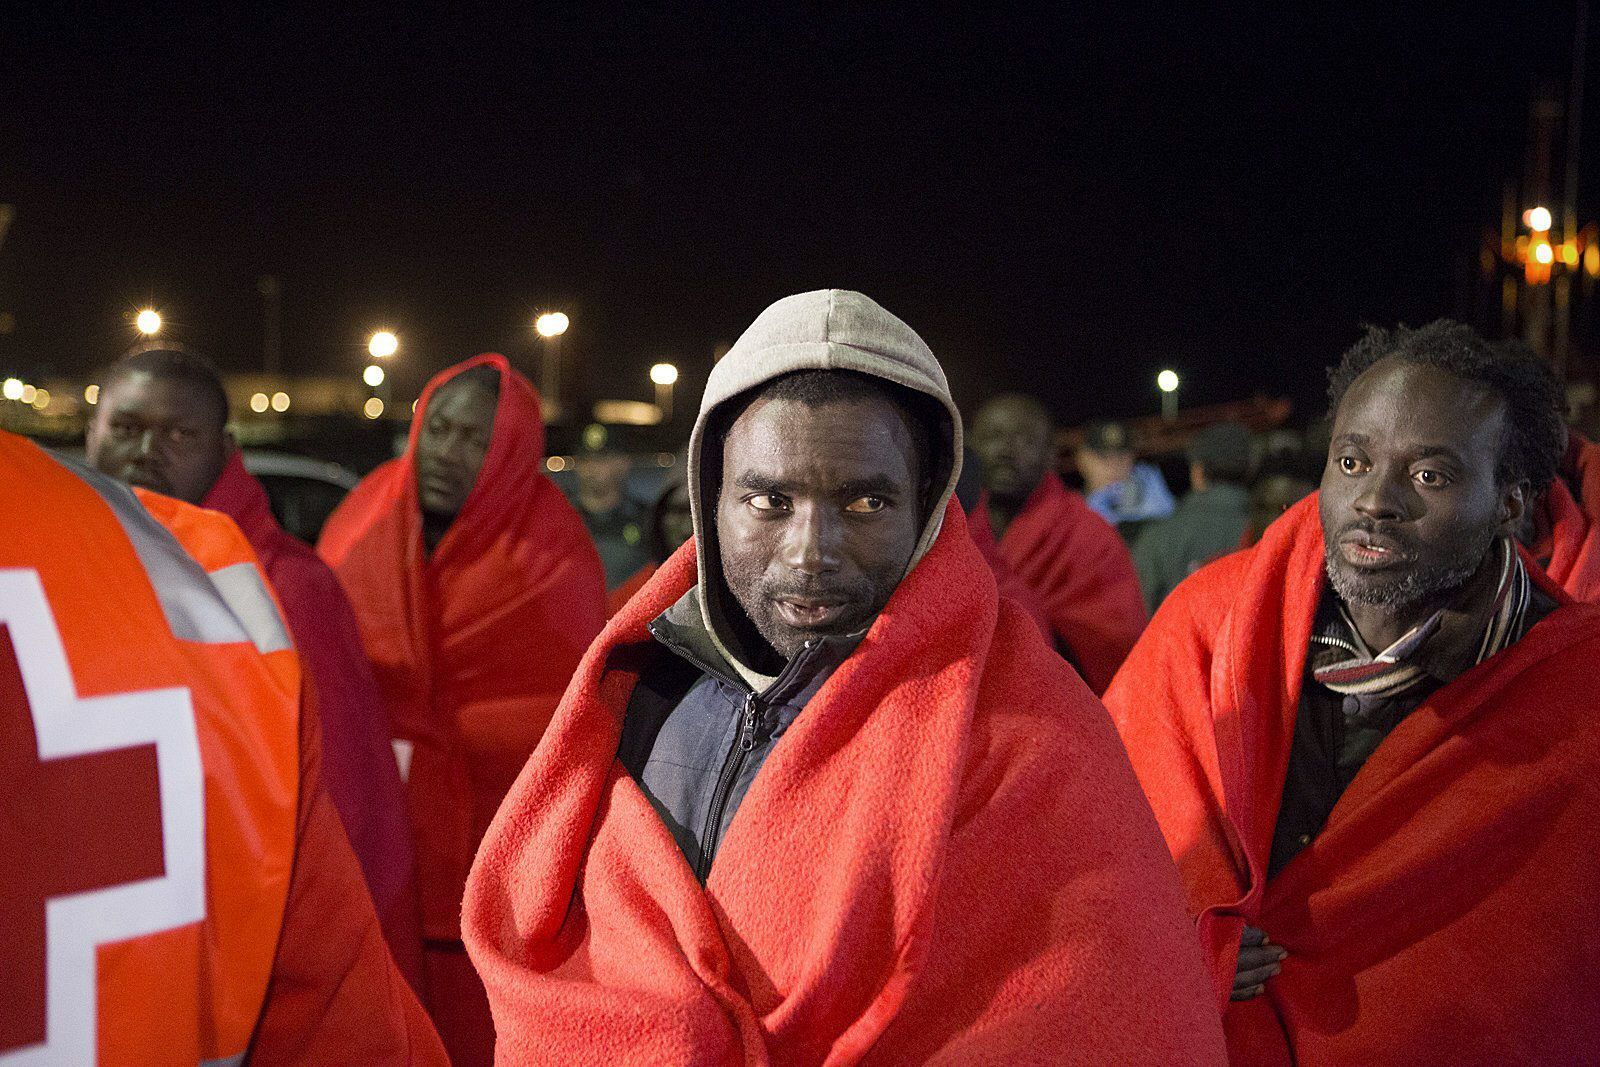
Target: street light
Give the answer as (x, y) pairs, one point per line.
(383, 344)
(1167, 382)
(373, 375)
(373, 408)
(551, 325)
(664, 375)
(280, 402)
(11, 389)
(1537, 219)
(148, 322)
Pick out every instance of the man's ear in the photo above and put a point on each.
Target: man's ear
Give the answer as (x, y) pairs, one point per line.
(1513, 506)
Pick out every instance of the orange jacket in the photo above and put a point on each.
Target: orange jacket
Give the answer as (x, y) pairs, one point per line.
(178, 888)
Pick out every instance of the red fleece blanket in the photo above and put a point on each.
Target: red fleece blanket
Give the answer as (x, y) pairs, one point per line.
(944, 859)
(1081, 570)
(474, 644)
(1568, 522)
(1009, 585)
(1446, 914)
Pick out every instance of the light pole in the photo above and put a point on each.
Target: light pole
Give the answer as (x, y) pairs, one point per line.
(1167, 382)
(665, 375)
(551, 325)
(148, 322)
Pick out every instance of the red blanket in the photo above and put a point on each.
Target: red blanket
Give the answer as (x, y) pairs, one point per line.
(473, 645)
(357, 760)
(1081, 570)
(1446, 913)
(1009, 585)
(945, 859)
(1568, 522)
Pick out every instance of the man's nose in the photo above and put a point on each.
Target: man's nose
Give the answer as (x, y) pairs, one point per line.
(1386, 496)
(147, 444)
(813, 539)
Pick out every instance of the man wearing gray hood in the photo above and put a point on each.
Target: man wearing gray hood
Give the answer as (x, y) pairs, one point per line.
(818, 794)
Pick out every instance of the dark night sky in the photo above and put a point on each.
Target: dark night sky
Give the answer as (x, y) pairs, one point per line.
(1064, 204)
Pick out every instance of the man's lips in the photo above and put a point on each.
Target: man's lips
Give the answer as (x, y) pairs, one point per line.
(1371, 550)
(810, 613)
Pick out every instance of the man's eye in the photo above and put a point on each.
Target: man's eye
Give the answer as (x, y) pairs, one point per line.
(124, 429)
(867, 505)
(767, 502)
(1351, 465)
(1432, 479)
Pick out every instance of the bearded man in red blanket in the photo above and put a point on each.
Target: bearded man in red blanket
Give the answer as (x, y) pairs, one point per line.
(817, 795)
(1373, 740)
(477, 589)
(1070, 557)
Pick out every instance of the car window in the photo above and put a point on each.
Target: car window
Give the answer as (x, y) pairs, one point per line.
(301, 505)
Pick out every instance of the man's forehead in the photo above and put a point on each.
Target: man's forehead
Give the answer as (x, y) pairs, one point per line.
(463, 401)
(847, 439)
(139, 392)
(1409, 401)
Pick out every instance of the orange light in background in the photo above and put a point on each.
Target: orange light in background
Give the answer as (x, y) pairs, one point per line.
(372, 408)
(29, 394)
(91, 395)
(1543, 253)
(280, 402)
(556, 463)
(1569, 253)
(1591, 261)
(259, 403)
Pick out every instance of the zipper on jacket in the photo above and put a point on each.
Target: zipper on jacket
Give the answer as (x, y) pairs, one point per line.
(730, 774)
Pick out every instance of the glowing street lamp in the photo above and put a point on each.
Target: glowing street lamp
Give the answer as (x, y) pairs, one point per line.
(259, 403)
(373, 375)
(383, 344)
(664, 375)
(1537, 219)
(1167, 382)
(551, 325)
(373, 408)
(148, 322)
(280, 402)
(91, 394)
(11, 388)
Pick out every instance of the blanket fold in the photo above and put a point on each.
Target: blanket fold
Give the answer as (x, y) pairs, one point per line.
(1445, 913)
(945, 859)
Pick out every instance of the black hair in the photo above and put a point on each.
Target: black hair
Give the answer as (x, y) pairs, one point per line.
(925, 418)
(175, 364)
(1536, 436)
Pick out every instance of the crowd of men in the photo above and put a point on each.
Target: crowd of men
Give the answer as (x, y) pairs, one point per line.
(872, 741)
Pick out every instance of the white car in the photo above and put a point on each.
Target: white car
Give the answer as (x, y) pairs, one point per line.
(303, 491)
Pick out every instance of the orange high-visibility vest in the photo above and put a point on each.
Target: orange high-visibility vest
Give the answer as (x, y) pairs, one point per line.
(149, 773)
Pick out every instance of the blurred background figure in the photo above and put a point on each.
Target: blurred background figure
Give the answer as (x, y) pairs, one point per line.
(1284, 478)
(477, 590)
(1209, 523)
(974, 500)
(1069, 556)
(616, 521)
(667, 526)
(177, 887)
(161, 425)
(1126, 493)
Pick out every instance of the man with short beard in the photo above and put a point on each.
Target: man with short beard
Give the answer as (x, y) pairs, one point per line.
(1373, 740)
(818, 794)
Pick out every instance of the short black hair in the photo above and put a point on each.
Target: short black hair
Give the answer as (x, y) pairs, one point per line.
(174, 364)
(925, 417)
(1536, 436)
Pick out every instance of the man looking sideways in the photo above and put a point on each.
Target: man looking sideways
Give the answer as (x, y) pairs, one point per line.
(161, 424)
(1070, 557)
(1372, 740)
(476, 589)
(818, 793)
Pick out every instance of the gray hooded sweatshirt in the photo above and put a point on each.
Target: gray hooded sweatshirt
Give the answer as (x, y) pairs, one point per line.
(701, 721)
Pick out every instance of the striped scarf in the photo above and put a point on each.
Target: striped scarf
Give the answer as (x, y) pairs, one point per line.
(1346, 666)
